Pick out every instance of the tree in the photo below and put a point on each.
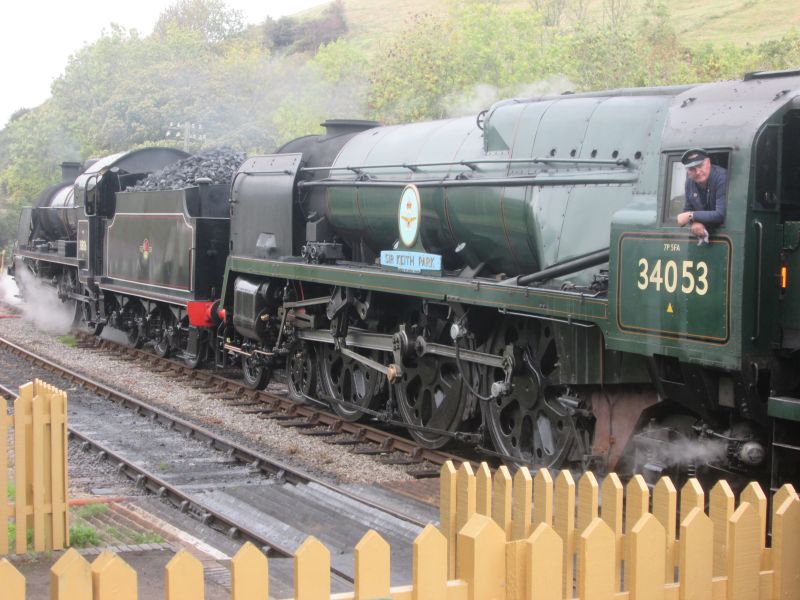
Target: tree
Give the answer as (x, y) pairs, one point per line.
(307, 35)
(212, 19)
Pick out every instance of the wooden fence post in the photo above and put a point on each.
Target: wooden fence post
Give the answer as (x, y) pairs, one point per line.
(184, 578)
(744, 554)
(71, 578)
(22, 467)
(588, 499)
(465, 504)
(637, 505)
(779, 497)
(38, 483)
(523, 498)
(612, 494)
(113, 578)
(482, 559)
(516, 569)
(430, 565)
(483, 485)
(596, 579)
(692, 496)
(372, 569)
(721, 503)
(786, 550)
(647, 555)
(447, 513)
(564, 524)
(753, 494)
(501, 499)
(665, 507)
(542, 498)
(312, 571)
(695, 561)
(249, 574)
(12, 580)
(59, 518)
(545, 563)
(637, 502)
(4, 512)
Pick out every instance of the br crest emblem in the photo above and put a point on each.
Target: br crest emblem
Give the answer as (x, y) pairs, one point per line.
(408, 216)
(145, 249)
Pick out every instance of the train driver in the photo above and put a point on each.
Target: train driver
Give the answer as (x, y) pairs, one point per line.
(705, 200)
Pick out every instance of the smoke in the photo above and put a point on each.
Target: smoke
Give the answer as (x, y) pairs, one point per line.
(9, 292)
(482, 96)
(686, 453)
(41, 306)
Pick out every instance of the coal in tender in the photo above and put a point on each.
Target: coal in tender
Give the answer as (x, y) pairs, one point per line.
(216, 164)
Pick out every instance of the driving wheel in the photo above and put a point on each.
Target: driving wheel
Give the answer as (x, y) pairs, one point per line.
(349, 384)
(301, 377)
(530, 426)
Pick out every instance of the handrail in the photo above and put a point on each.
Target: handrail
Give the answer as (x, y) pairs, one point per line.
(760, 228)
(620, 162)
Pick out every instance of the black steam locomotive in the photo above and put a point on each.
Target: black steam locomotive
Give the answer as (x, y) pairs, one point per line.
(516, 281)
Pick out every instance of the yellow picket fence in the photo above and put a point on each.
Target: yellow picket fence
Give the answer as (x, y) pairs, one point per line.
(505, 538)
(37, 500)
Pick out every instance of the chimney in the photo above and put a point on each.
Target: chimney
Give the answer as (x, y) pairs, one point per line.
(70, 171)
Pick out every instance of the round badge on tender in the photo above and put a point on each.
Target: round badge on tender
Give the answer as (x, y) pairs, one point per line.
(408, 216)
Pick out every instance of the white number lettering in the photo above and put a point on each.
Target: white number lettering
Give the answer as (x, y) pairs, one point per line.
(670, 276)
(702, 278)
(642, 283)
(693, 277)
(687, 275)
(655, 275)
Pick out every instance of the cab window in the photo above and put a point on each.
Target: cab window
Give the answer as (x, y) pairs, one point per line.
(676, 182)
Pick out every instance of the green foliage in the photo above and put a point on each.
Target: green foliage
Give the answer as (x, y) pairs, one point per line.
(212, 20)
(68, 340)
(90, 510)
(304, 35)
(12, 536)
(83, 536)
(11, 490)
(147, 537)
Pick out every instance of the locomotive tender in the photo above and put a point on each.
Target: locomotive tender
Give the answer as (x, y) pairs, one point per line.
(519, 278)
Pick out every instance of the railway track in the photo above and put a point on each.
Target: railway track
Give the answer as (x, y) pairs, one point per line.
(231, 488)
(308, 419)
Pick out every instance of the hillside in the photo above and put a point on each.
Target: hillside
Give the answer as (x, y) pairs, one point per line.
(738, 22)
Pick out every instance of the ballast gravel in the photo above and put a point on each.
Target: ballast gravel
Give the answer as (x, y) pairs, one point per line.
(265, 435)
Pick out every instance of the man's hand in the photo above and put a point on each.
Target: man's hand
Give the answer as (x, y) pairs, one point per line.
(683, 218)
(699, 230)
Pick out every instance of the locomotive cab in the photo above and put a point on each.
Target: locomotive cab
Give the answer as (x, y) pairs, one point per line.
(718, 319)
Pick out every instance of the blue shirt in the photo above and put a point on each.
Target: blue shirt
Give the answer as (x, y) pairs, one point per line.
(708, 202)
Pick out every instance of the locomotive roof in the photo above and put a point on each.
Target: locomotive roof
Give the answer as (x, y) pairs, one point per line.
(718, 114)
(140, 160)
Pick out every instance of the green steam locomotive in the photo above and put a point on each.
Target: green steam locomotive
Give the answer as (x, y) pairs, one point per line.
(518, 281)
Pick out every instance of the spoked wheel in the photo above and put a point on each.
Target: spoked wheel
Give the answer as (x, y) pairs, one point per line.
(530, 425)
(431, 393)
(301, 377)
(135, 319)
(350, 385)
(163, 344)
(256, 374)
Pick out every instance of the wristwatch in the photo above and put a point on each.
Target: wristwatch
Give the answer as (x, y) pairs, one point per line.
(691, 217)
